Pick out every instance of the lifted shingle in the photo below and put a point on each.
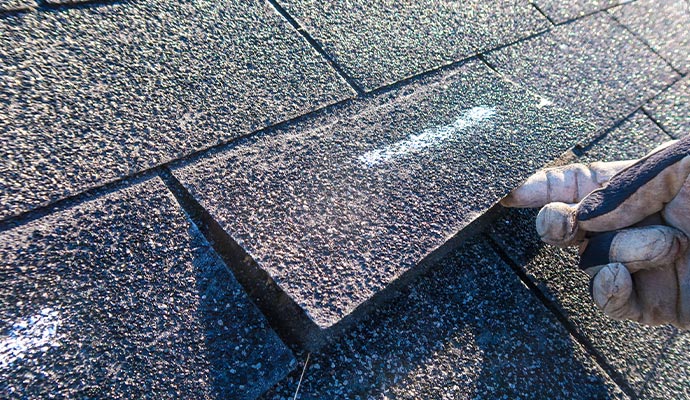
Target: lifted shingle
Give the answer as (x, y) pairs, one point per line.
(337, 209)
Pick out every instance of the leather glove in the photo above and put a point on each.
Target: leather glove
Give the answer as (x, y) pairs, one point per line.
(631, 220)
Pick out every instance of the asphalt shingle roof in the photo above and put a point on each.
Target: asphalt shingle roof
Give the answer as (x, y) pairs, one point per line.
(593, 67)
(381, 42)
(672, 107)
(339, 208)
(326, 155)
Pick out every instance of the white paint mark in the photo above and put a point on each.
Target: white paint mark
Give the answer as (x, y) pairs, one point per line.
(38, 332)
(544, 102)
(428, 138)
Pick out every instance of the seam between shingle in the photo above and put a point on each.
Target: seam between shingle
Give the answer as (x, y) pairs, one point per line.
(74, 200)
(39, 211)
(657, 123)
(284, 315)
(316, 46)
(543, 13)
(12, 221)
(579, 336)
(604, 10)
(584, 148)
(643, 41)
(15, 11)
(652, 373)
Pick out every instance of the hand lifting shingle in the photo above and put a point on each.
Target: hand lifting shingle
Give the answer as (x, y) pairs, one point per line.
(631, 220)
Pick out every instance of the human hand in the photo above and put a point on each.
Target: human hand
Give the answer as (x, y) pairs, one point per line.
(631, 220)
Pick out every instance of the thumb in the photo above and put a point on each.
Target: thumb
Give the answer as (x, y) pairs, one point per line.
(556, 225)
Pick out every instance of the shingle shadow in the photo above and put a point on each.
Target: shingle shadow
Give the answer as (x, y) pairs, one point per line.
(466, 329)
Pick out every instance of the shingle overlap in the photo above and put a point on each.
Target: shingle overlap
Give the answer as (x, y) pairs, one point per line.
(380, 42)
(593, 67)
(663, 24)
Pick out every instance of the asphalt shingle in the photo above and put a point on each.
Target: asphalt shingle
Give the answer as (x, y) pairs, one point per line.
(671, 109)
(10, 5)
(562, 11)
(337, 208)
(633, 138)
(663, 24)
(122, 297)
(62, 2)
(468, 329)
(631, 349)
(379, 42)
(91, 94)
(635, 351)
(592, 66)
(671, 378)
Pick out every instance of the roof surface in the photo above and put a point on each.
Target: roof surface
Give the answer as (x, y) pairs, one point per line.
(197, 196)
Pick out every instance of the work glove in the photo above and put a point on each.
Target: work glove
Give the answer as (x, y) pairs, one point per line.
(631, 221)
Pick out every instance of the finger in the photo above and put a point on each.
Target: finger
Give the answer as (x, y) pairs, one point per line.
(567, 184)
(556, 225)
(640, 190)
(637, 248)
(657, 293)
(613, 292)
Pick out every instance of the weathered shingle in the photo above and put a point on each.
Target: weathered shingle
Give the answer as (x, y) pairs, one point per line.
(11, 5)
(672, 108)
(663, 24)
(469, 329)
(91, 94)
(593, 67)
(121, 297)
(633, 351)
(380, 42)
(338, 208)
(561, 11)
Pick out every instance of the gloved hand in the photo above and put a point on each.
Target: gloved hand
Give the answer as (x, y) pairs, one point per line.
(631, 220)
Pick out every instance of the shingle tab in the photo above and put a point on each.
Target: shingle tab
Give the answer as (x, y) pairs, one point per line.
(592, 66)
(63, 2)
(672, 108)
(91, 94)
(121, 297)
(379, 42)
(11, 5)
(561, 11)
(338, 208)
(671, 378)
(634, 138)
(629, 348)
(663, 24)
(468, 329)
